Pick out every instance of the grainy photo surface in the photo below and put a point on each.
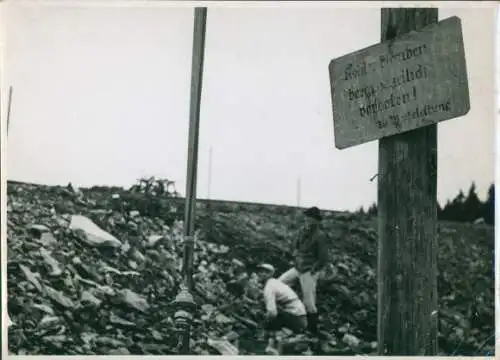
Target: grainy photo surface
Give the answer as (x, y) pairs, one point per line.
(248, 180)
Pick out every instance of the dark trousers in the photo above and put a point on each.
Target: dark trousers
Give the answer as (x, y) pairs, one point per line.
(295, 323)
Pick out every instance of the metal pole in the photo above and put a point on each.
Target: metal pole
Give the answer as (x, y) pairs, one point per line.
(8, 108)
(209, 173)
(200, 15)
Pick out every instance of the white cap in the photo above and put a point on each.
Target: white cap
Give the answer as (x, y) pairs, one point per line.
(267, 267)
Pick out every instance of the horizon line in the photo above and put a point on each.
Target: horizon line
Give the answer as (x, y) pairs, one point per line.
(245, 202)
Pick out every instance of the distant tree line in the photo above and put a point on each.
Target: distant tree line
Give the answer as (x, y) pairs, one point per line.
(462, 208)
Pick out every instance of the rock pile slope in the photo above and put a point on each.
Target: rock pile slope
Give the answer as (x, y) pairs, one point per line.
(94, 272)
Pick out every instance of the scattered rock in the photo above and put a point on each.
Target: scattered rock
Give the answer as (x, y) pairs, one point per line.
(44, 308)
(48, 320)
(59, 297)
(238, 263)
(104, 340)
(157, 335)
(208, 308)
(138, 256)
(115, 297)
(223, 347)
(119, 351)
(125, 248)
(94, 235)
(351, 340)
(134, 214)
(51, 262)
(134, 300)
(223, 319)
(31, 277)
(47, 239)
(153, 239)
(55, 339)
(38, 230)
(118, 320)
(89, 298)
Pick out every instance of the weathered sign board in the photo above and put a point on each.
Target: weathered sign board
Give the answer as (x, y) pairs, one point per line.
(396, 86)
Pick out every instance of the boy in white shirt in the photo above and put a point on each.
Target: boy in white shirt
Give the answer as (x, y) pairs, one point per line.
(283, 306)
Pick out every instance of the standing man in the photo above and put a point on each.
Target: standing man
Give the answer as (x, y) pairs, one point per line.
(310, 256)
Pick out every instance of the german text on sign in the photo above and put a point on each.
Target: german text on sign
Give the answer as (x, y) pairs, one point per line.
(416, 80)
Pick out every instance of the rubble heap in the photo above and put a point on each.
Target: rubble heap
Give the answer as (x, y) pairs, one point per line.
(95, 273)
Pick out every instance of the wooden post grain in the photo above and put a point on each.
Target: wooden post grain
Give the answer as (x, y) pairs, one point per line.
(407, 252)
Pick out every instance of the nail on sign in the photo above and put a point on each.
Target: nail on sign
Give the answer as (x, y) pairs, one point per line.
(396, 86)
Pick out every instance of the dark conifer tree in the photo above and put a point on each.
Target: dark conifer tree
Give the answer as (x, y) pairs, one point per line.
(488, 211)
(472, 205)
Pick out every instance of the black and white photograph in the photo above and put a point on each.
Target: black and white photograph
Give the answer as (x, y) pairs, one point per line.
(248, 178)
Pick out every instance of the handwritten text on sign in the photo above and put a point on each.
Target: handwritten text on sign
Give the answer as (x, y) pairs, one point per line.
(393, 87)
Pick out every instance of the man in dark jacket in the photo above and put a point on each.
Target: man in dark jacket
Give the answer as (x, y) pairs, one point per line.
(310, 256)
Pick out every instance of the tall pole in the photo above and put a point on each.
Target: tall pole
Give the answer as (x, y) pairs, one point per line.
(298, 191)
(200, 15)
(407, 255)
(209, 173)
(8, 108)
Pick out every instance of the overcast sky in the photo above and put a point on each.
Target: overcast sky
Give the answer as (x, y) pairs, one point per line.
(101, 96)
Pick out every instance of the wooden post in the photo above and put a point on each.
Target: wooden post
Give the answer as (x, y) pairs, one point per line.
(407, 210)
(200, 15)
